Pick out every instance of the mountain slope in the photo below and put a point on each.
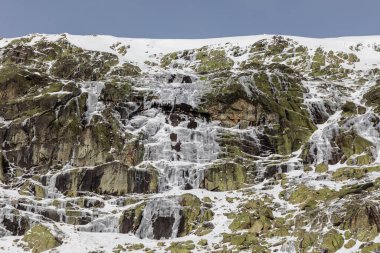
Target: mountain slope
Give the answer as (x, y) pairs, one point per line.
(250, 144)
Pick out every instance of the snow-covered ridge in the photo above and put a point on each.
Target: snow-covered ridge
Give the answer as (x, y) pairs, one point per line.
(140, 49)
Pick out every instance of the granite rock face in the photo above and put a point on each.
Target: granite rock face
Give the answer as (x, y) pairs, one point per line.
(257, 144)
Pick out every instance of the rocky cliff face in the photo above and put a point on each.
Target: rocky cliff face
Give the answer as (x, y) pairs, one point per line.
(251, 144)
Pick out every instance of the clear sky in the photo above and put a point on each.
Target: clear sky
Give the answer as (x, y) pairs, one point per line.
(191, 18)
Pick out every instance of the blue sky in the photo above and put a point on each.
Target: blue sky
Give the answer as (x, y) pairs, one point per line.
(191, 18)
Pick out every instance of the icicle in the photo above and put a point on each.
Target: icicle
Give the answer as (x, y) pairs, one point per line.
(94, 106)
(109, 224)
(160, 208)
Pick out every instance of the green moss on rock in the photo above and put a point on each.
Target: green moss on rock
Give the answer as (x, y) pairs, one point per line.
(181, 247)
(118, 249)
(127, 69)
(212, 60)
(255, 215)
(321, 168)
(351, 109)
(244, 241)
(83, 65)
(352, 143)
(349, 173)
(114, 92)
(31, 187)
(361, 220)
(370, 247)
(194, 215)
(39, 239)
(303, 194)
(329, 64)
(332, 241)
(372, 97)
(203, 242)
(306, 240)
(225, 177)
(135, 246)
(351, 243)
(166, 60)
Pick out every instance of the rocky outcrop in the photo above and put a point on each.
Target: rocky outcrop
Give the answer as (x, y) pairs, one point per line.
(225, 177)
(112, 178)
(39, 238)
(167, 218)
(273, 100)
(361, 219)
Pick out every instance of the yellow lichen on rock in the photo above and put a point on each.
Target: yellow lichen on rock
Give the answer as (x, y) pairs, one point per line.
(39, 238)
